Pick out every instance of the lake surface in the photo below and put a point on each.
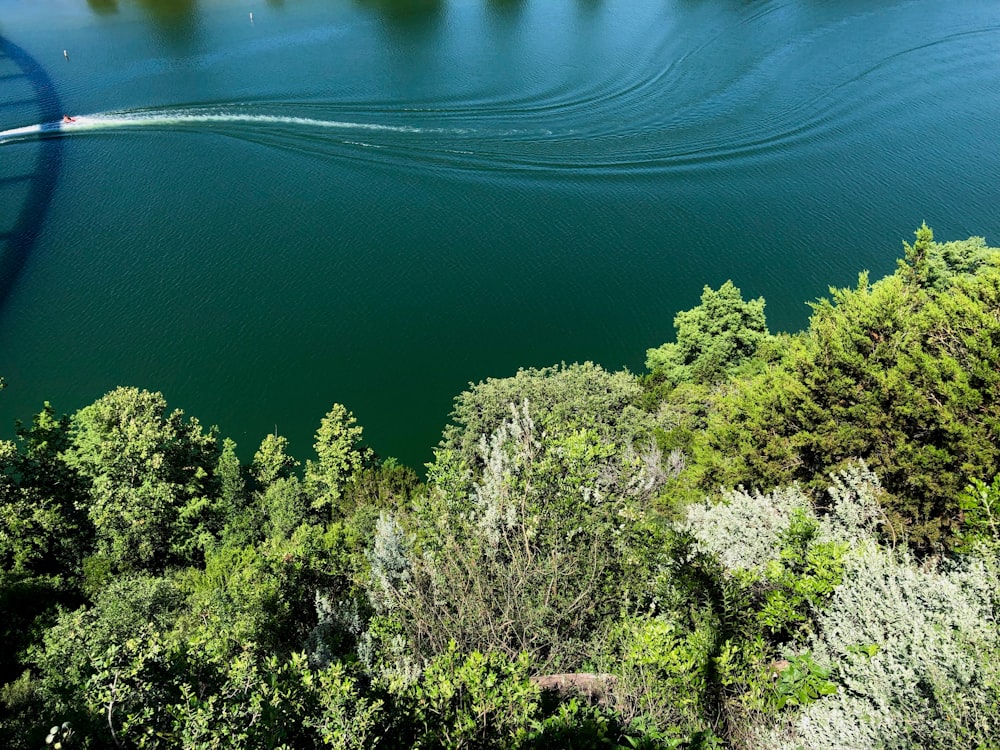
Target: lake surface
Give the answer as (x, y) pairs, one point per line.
(374, 202)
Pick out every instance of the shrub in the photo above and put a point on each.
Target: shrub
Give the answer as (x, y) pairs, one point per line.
(472, 700)
(917, 654)
(744, 529)
(533, 554)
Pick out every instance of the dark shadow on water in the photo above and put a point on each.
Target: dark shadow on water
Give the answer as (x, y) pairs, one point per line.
(405, 14)
(506, 6)
(24, 233)
(103, 7)
(174, 20)
(505, 10)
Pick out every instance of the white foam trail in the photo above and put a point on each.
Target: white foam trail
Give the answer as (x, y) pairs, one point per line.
(58, 127)
(113, 120)
(18, 133)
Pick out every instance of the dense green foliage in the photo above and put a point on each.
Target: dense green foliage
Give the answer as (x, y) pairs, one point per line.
(901, 372)
(712, 338)
(570, 574)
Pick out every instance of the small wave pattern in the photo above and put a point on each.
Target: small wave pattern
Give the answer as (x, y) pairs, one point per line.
(706, 88)
(722, 89)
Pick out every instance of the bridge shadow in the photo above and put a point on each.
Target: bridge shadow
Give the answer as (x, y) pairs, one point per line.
(19, 239)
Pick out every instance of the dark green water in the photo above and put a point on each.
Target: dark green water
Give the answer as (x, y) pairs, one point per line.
(375, 202)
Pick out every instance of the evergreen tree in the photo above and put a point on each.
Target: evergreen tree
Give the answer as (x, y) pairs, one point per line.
(341, 457)
(712, 338)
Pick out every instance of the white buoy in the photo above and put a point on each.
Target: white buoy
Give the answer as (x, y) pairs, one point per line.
(251, 16)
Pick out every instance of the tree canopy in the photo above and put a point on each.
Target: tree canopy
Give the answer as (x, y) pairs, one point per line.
(712, 338)
(765, 542)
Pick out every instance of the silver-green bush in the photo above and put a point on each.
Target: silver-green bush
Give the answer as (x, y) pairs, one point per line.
(916, 653)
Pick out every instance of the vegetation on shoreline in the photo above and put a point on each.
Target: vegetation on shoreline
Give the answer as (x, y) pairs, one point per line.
(569, 575)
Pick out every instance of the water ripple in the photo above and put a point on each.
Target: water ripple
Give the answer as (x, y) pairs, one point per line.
(667, 107)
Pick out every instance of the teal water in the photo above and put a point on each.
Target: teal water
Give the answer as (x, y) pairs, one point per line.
(376, 201)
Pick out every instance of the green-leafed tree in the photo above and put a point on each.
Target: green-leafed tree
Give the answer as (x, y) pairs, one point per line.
(132, 612)
(242, 516)
(274, 500)
(146, 668)
(562, 399)
(712, 338)
(44, 535)
(341, 456)
(42, 502)
(232, 479)
(263, 599)
(149, 479)
(902, 373)
(934, 264)
(284, 506)
(272, 462)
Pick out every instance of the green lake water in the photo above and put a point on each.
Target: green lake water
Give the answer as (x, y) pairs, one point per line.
(375, 202)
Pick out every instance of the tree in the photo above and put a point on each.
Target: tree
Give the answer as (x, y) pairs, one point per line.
(271, 461)
(283, 507)
(899, 372)
(277, 503)
(231, 478)
(562, 399)
(149, 477)
(130, 614)
(341, 457)
(44, 535)
(915, 264)
(934, 265)
(712, 338)
(42, 501)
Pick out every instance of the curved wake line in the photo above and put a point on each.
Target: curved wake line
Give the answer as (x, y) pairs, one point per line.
(113, 120)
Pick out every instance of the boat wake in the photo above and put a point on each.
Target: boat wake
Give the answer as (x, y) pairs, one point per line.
(110, 121)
